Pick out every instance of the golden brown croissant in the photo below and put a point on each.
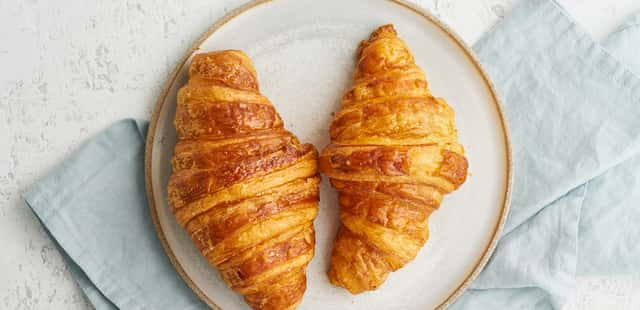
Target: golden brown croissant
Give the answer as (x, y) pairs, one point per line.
(242, 186)
(393, 154)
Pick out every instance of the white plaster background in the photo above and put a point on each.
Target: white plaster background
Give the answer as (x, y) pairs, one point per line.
(70, 68)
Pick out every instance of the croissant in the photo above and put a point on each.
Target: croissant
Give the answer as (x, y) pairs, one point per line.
(393, 155)
(244, 188)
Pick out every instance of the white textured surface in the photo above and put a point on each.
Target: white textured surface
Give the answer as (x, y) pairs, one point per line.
(70, 70)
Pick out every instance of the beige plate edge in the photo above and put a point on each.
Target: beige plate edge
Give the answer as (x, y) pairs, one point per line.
(217, 25)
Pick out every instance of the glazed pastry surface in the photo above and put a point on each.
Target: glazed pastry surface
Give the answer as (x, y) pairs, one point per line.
(244, 188)
(393, 155)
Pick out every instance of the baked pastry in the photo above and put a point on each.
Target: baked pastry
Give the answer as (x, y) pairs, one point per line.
(242, 186)
(393, 155)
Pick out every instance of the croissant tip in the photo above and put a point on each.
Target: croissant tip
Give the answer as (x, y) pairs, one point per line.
(382, 31)
(387, 30)
(231, 68)
(227, 51)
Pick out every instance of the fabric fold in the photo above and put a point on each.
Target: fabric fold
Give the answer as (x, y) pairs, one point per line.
(609, 227)
(94, 206)
(572, 109)
(570, 106)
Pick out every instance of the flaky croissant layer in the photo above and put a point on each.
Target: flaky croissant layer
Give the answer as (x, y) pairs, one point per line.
(393, 155)
(242, 186)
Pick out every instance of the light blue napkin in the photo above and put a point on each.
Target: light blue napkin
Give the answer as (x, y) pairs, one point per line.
(94, 206)
(573, 108)
(574, 114)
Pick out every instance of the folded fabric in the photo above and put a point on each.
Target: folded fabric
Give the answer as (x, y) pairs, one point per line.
(572, 108)
(94, 206)
(609, 229)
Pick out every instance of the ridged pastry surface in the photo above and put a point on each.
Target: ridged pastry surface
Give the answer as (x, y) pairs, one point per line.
(244, 188)
(393, 155)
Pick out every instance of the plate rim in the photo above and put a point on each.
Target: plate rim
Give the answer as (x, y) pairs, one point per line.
(481, 262)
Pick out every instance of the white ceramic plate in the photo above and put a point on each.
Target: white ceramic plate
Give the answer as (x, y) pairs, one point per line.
(303, 51)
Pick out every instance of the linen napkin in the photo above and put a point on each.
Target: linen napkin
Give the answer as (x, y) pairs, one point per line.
(573, 111)
(94, 206)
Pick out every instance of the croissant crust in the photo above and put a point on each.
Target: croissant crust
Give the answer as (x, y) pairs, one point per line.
(393, 155)
(244, 188)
